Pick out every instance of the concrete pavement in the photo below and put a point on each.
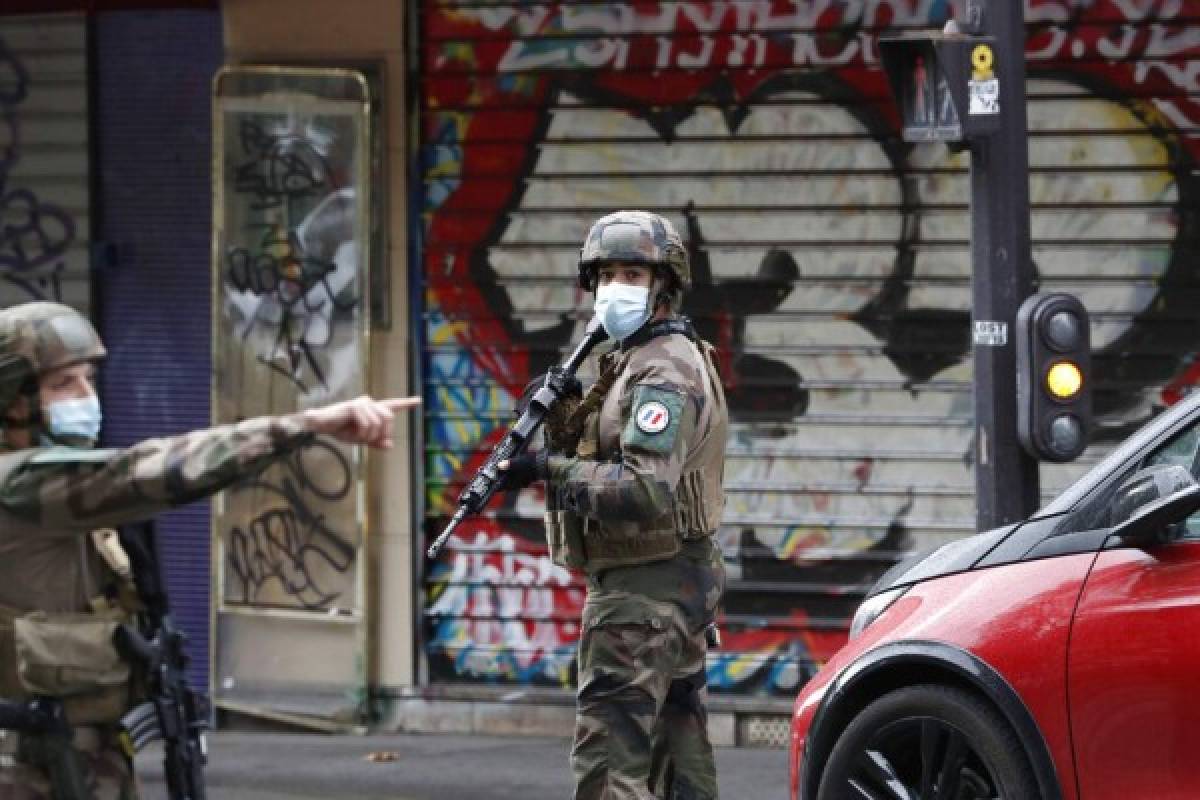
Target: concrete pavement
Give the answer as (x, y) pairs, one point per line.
(274, 766)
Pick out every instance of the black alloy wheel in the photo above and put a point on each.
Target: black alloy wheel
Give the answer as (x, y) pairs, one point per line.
(928, 742)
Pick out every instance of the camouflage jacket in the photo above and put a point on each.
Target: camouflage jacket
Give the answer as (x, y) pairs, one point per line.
(51, 496)
(648, 471)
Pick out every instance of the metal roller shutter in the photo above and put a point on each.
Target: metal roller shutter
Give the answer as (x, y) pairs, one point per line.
(832, 270)
(44, 173)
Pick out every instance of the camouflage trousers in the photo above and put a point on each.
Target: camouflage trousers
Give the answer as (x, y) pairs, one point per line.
(108, 772)
(641, 727)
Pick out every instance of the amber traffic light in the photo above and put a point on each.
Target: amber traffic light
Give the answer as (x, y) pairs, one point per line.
(1054, 355)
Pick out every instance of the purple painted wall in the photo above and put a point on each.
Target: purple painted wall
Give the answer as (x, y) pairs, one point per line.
(152, 131)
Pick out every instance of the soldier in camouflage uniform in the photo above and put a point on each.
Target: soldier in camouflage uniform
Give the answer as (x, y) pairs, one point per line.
(59, 571)
(635, 506)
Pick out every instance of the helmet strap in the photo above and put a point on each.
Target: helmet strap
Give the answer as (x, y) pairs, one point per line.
(18, 428)
(662, 290)
(33, 408)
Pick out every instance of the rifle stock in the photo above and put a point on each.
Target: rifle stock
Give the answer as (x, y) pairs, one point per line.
(487, 478)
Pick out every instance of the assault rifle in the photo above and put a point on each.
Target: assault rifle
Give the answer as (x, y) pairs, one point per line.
(488, 478)
(46, 742)
(181, 713)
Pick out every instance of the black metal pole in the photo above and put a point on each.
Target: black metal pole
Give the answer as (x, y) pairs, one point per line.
(1006, 477)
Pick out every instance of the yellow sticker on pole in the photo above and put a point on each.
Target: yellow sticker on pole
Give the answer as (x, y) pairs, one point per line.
(982, 60)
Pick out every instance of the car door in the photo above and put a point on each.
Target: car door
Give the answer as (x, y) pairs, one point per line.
(1133, 666)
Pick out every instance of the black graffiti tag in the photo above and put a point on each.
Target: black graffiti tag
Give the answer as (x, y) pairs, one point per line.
(281, 272)
(288, 544)
(34, 235)
(279, 168)
(14, 78)
(45, 286)
(274, 546)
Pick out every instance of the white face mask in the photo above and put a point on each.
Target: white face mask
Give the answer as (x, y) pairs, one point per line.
(74, 420)
(622, 308)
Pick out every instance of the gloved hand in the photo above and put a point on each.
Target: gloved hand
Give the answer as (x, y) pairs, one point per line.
(523, 470)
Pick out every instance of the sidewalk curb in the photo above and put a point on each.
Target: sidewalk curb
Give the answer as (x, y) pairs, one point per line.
(520, 714)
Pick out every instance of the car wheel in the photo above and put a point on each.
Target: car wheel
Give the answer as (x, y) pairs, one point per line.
(928, 743)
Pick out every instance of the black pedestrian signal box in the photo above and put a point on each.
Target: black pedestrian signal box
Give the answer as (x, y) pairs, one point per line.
(946, 85)
(1054, 376)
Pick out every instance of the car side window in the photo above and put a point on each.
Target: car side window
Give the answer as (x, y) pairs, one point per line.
(1181, 450)
(1095, 512)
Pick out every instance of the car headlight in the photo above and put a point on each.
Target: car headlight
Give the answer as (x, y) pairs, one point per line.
(872, 607)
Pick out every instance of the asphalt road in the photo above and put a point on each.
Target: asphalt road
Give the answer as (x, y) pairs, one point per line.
(273, 766)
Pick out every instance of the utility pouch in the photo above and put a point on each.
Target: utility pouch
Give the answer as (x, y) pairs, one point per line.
(61, 655)
(10, 684)
(564, 534)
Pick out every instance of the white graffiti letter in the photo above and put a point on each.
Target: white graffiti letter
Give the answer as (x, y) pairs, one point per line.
(1114, 50)
(701, 59)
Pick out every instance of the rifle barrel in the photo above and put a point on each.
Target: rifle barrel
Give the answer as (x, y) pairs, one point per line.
(440, 541)
(516, 439)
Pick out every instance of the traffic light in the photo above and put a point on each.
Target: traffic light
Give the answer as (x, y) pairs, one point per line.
(1054, 395)
(945, 84)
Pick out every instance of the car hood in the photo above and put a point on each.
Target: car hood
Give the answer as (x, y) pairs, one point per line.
(957, 556)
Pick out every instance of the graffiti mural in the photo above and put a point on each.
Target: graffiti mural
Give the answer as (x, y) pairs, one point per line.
(43, 207)
(289, 546)
(504, 611)
(290, 332)
(832, 273)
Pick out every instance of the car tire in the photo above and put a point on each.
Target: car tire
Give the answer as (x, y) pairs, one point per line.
(928, 742)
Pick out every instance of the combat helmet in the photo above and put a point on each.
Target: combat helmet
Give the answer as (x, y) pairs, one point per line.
(634, 237)
(38, 337)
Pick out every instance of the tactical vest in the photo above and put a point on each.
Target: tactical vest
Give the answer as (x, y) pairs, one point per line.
(593, 545)
(62, 594)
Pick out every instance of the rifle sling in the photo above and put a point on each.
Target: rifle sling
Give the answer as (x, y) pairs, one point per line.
(611, 363)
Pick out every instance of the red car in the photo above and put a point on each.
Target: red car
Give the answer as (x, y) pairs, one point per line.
(1055, 658)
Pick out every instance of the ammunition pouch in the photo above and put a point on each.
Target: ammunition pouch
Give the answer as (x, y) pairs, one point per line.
(624, 543)
(564, 535)
(69, 656)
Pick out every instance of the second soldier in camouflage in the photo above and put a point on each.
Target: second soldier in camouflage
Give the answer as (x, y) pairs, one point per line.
(635, 507)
